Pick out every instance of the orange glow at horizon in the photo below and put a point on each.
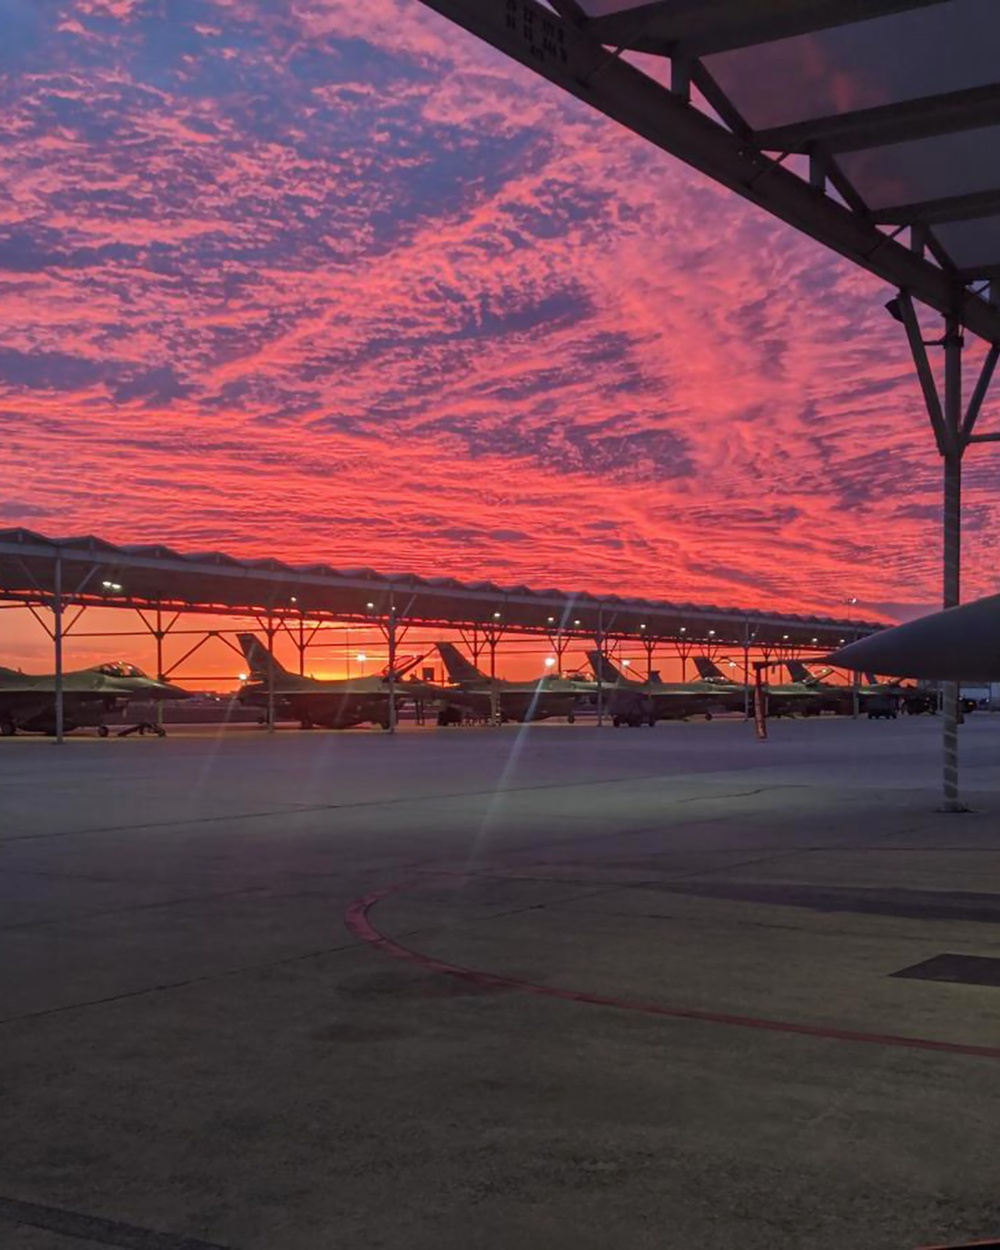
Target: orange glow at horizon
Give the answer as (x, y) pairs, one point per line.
(341, 284)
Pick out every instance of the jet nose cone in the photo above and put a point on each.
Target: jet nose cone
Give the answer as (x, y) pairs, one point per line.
(165, 690)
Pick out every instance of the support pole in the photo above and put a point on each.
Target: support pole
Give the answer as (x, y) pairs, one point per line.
(600, 666)
(57, 640)
(746, 672)
(952, 434)
(270, 676)
(390, 634)
(494, 691)
(159, 665)
(760, 703)
(952, 543)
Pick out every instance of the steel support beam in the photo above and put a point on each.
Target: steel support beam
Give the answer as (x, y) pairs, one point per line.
(944, 208)
(953, 433)
(952, 544)
(390, 636)
(979, 394)
(57, 644)
(888, 123)
(599, 639)
(270, 676)
(698, 28)
(159, 665)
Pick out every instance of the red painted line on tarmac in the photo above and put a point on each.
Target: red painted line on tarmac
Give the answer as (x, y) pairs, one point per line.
(357, 918)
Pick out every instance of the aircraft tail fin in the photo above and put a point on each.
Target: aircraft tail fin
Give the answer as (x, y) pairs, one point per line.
(708, 670)
(602, 667)
(403, 665)
(798, 672)
(459, 668)
(258, 658)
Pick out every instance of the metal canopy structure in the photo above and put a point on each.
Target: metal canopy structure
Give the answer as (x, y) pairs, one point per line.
(873, 126)
(90, 572)
(55, 573)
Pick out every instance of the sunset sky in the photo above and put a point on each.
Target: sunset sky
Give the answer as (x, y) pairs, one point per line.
(323, 280)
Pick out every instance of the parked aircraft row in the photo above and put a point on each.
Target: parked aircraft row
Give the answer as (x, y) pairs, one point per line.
(627, 700)
(27, 702)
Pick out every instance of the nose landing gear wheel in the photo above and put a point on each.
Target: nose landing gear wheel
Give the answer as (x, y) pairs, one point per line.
(102, 731)
(7, 729)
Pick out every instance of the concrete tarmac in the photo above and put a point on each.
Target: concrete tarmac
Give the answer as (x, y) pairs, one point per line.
(553, 987)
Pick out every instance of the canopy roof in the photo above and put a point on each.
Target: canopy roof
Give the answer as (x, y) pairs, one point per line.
(872, 125)
(92, 571)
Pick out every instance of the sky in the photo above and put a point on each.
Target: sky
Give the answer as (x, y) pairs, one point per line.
(329, 281)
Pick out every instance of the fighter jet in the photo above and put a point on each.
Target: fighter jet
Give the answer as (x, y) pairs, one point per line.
(336, 704)
(802, 698)
(959, 644)
(633, 701)
(515, 700)
(874, 696)
(27, 701)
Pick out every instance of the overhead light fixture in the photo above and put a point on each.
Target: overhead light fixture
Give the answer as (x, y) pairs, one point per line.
(550, 661)
(711, 633)
(370, 607)
(626, 663)
(894, 308)
(496, 616)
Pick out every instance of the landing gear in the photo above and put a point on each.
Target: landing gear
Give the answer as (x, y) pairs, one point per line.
(306, 723)
(7, 729)
(102, 731)
(616, 721)
(708, 715)
(143, 727)
(571, 719)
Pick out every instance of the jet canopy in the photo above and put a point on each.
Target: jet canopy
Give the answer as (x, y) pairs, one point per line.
(119, 668)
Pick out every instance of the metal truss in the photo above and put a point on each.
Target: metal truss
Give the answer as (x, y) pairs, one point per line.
(587, 59)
